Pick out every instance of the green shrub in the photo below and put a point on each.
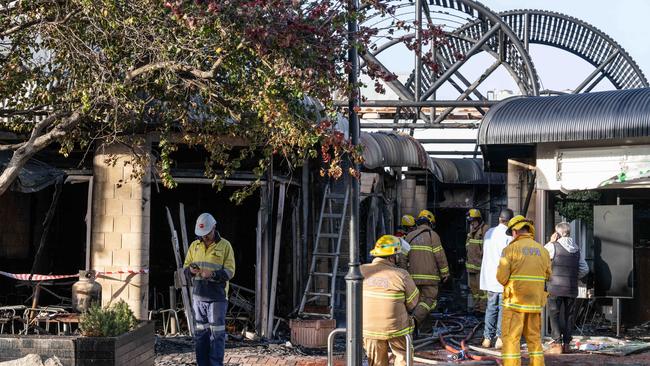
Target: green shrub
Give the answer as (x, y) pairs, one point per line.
(107, 322)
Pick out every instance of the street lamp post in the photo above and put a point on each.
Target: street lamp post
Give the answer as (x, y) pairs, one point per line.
(353, 278)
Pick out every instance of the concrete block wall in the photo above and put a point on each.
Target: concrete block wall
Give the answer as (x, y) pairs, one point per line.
(414, 197)
(120, 227)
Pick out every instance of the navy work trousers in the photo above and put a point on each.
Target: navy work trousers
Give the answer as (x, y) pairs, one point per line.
(210, 332)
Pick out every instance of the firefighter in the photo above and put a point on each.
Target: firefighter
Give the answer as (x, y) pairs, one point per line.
(427, 263)
(523, 270)
(474, 247)
(389, 295)
(210, 262)
(407, 224)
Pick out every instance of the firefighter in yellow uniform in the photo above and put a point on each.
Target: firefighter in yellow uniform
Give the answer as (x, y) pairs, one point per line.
(389, 295)
(427, 263)
(523, 270)
(474, 247)
(407, 225)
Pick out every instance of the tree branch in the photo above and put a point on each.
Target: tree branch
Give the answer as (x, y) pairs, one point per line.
(42, 21)
(179, 67)
(38, 140)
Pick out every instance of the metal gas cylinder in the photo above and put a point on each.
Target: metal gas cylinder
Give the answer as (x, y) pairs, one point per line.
(86, 292)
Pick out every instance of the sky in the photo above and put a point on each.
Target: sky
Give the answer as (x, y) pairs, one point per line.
(626, 21)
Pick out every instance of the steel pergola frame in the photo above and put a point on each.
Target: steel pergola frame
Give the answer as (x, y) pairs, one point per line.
(506, 37)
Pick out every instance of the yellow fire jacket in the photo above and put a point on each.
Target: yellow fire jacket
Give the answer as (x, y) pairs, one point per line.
(474, 247)
(217, 257)
(389, 294)
(427, 259)
(524, 268)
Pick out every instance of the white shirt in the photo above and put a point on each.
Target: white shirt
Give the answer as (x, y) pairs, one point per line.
(494, 243)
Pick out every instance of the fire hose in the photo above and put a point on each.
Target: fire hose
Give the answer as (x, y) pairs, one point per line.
(464, 352)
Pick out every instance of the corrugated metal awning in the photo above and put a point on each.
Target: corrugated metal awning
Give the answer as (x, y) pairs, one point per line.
(573, 117)
(464, 171)
(390, 149)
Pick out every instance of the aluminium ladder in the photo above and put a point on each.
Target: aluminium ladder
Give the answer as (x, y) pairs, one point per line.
(323, 273)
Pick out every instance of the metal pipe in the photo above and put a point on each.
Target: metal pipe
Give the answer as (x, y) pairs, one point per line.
(418, 49)
(422, 103)
(409, 350)
(353, 278)
(447, 141)
(330, 345)
(424, 126)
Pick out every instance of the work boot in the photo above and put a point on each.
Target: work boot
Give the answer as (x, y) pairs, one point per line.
(555, 349)
(486, 343)
(498, 344)
(566, 348)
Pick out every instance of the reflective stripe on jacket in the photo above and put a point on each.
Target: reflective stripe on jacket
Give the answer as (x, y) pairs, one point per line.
(523, 270)
(217, 256)
(388, 295)
(474, 247)
(427, 259)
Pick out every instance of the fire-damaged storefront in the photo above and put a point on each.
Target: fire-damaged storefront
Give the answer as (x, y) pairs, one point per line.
(586, 159)
(97, 212)
(106, 216)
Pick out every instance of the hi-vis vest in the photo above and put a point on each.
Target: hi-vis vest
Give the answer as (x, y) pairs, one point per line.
(388, 295)
(474, 247)
(427, 259)
(524, 268)
(215, 257)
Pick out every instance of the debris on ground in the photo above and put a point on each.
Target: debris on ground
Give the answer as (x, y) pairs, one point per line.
(33, 360)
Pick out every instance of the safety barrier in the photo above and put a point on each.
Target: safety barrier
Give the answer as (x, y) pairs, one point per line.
(332, 336)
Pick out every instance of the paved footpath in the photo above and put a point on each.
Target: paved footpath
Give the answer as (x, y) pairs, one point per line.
(179, 351)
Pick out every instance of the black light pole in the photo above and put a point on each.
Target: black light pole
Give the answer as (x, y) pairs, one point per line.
(353, 279)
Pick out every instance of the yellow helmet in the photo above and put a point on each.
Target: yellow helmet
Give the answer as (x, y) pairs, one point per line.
(428, 215)
(518, 222)
(473, 214)
(408, 221)
(386, 246)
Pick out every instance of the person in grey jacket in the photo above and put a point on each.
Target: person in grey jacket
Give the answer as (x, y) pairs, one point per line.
(568, 266)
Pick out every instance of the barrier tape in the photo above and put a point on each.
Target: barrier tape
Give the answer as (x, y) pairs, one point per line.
(40, 277)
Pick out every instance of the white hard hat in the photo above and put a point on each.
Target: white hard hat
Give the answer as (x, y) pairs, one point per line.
(204, 224)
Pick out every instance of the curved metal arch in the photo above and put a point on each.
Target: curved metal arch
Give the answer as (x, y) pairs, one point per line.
(515, 52)
(579, 38)
(447, 55)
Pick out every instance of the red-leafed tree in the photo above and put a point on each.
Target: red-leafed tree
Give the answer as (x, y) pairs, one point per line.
(76, 71)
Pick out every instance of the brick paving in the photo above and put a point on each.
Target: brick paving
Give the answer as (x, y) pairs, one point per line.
(179, 351)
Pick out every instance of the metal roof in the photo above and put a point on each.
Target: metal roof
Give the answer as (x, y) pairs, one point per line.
(572, 117)
(390, 149)
(463, 171)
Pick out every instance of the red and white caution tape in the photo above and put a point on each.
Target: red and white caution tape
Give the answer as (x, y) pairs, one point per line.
(141, 271)
(40, 277)
(35, 277)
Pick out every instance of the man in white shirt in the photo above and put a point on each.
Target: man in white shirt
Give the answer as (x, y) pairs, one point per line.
(494, 243)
